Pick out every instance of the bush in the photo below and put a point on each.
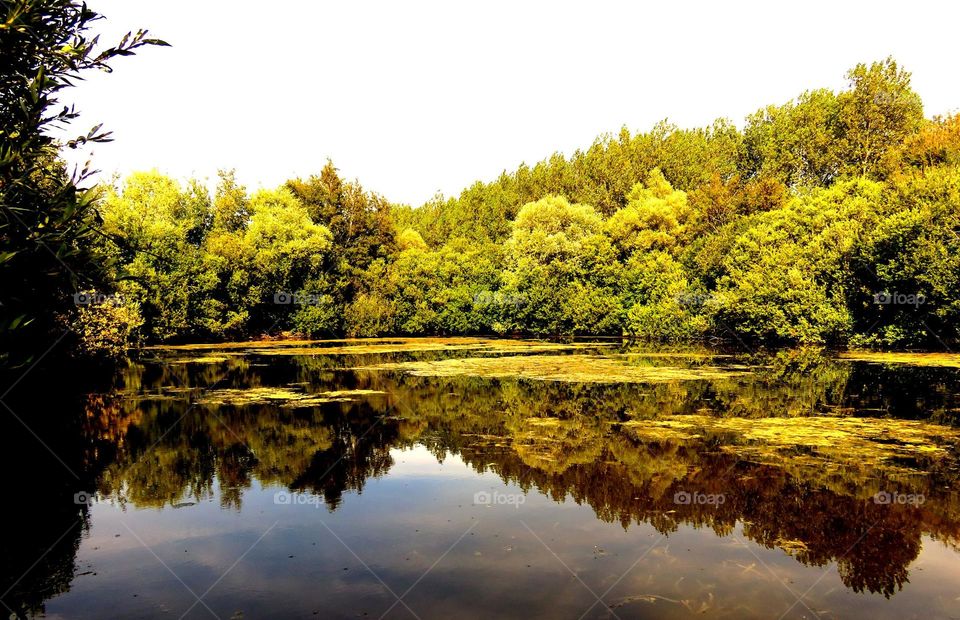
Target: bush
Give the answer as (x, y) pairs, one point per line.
(106, 327)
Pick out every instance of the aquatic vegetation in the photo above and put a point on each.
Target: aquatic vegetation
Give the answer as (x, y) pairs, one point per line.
(285, 397)
(422, 345)
(226, 346)
(569, 368)
(866, 441)
(363, 346)
(939, 360)
(201, 359)
(350, 393)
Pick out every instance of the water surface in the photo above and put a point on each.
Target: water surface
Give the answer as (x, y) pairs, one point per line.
(469, 478)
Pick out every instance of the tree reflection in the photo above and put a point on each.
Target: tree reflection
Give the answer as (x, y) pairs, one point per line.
(154, 442)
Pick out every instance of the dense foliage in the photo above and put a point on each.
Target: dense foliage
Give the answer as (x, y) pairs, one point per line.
(48, 225)
(831, 219)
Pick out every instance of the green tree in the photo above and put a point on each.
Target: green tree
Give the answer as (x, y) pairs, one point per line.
(654, 217)
(154, 233)
(231, 207)
(797, 143)
(47, 217)
(877, 113)
(909, 266)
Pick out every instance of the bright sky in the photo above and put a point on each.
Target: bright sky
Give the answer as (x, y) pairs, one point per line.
(417, 97)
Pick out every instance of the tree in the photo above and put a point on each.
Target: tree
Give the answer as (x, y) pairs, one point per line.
(653, 218)
(154, 233)
(796, 143)
(909, 266)
(936, 144)
(558, 268)
(231, 207)
(788, 272)
(877, 114)
(47, 215)
(288, 255)
(361, 224)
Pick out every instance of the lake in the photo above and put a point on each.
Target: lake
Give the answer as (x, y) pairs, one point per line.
(479, 478)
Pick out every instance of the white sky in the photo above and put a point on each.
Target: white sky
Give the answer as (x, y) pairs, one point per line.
(417, 97)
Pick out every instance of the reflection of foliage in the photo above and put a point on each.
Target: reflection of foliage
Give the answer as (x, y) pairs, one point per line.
(36, 568)
(554, 445)
(624, 449)
(45, 525)
(270, 443)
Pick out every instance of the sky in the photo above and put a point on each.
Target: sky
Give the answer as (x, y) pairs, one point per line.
(414, 98)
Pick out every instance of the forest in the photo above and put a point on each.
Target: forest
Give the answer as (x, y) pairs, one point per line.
(830, 219)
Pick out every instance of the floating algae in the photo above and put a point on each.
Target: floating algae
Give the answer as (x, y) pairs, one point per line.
(364, 346)
(284, 397)
(368, 349)
(226, 346)
(567, 368)
(423, 345)
(202, 359)
(939, 360)
(852, 440)
(350, 393)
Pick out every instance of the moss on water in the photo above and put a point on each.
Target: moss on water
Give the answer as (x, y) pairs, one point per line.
(350, 393)
(941, 360)
(362, 346)
(566, 368)
(285, 397)
(202, 359)
(868, 441)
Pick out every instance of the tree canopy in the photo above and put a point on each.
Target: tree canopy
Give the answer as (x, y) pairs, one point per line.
(832, 218)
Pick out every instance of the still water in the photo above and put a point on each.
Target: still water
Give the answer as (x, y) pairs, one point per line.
(473, 478)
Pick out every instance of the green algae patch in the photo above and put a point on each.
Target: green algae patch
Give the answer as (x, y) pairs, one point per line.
(693, 355)
(939, 360)
(285, 397)
(424, 345)
(228, 346)
(250, 396)
(350, 393)
(369, 349)
(201, 359)
(368, 346)
(332, 345)
(564, 368)
(860, 440)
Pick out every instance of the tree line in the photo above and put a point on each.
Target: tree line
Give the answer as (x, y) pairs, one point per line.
(833, 218)
(830, 219)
